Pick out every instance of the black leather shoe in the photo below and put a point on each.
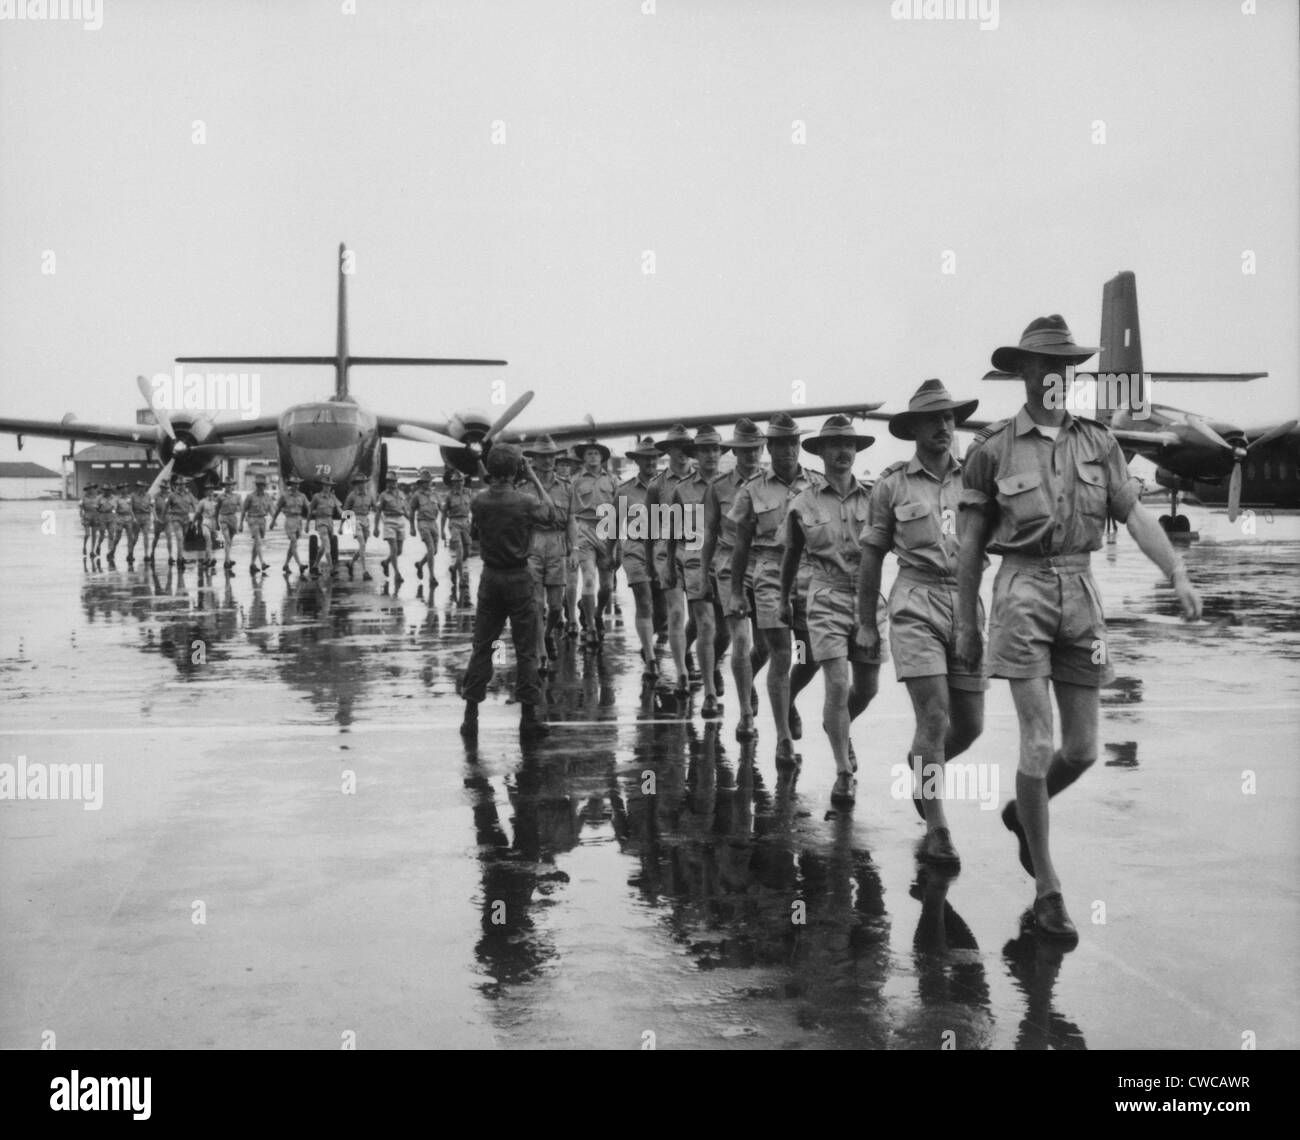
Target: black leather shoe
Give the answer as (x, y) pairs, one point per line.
(845, 790)
(1051, 919)
(1011, 821)
(746, 732)
(937, 848)
(785, 755)
(711, 710)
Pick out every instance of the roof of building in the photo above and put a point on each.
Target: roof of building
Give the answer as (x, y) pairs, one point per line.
(111, 453)
(26, 470)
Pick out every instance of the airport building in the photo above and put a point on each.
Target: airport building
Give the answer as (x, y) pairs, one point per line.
(24, 480)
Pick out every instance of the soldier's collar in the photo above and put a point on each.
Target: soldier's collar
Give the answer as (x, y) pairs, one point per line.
(1024, 425)
(916, 467)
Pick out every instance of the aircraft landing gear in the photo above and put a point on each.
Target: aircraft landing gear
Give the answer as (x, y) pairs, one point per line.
(1177, 527)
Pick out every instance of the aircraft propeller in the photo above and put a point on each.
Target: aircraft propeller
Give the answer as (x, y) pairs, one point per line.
(1239, 454)
(474, 447)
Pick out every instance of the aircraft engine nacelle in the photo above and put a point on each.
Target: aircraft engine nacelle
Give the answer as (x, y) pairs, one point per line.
(469, 427)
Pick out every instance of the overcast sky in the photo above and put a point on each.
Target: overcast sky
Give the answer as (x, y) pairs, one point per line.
(775, 260)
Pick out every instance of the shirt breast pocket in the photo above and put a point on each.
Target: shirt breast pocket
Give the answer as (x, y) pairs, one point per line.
(766, 521)
(1023, 501)
(915, 525)
(818, 535)
(1092, 488)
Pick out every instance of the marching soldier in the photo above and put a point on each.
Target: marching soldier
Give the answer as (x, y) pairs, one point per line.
(160, 529)
(566, 467)
(89, 520)
(362, 504)
(454, 526)
(593, 488)
(759, 514)
(104, 516)
(638, 553)
(294, 505)
(140, 522)
(181, 508)
(503, 520)
(425, 507)
(390, 513)
(688, 497)
(679, 447)
(228, 510)
(323, 509)
(719, 545)
(825, 520)
(207, 516)
(552, 541)
(914, 514)
(256, 511)
(119, 517)
(1036, 490)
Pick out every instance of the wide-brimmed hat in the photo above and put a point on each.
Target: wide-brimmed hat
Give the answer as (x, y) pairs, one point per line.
(293, 479)
(835, 430)
(644, 449)
(259, 478)
(678, 436)
(391, 477)
(224, 483)
(929, 398)
(746, 434)
(1044, 336)
(453, 473)
(545, 445)
(425, 476)
(707, 434)
(586, 445)
(782, 426)
(359, 477)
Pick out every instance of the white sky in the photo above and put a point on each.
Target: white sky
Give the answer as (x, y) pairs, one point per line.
(627, 132)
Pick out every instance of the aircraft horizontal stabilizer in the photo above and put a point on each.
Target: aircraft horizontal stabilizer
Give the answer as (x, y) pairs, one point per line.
(415, 360)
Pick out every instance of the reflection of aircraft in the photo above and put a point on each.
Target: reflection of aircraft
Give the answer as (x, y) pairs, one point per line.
(329, 440)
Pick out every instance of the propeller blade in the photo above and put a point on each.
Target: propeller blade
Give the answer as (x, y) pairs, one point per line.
(164, 474)
(509, 414)
(1272, 434)
(424, 435)
(164, 419)
(1234, 493)
(228, 450)
(1213, 436)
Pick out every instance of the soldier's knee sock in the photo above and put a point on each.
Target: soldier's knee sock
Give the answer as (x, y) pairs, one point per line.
(1063, 772)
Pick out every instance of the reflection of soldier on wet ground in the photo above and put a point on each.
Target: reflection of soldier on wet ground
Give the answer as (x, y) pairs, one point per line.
(503, 521)
(822, 524)
(1036, 490)
(914, 514)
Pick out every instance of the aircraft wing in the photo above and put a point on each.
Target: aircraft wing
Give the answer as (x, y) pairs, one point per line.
(1291, 439)
(142, 435)
(1167, 377)
(1146, 443)
(241, 429)
(612, 429)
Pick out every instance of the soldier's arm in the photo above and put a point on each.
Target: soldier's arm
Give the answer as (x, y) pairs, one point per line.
(740, 556)
(712, 525)
(793, 552)
(674, 503)
(869, 571)
(1154, 543)
(877, 540)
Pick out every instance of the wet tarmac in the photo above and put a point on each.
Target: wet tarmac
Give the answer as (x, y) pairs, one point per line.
(293, 844)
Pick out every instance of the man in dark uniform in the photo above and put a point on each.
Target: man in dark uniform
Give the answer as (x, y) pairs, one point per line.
(914, 514)
(1036, 489)
(504, 519)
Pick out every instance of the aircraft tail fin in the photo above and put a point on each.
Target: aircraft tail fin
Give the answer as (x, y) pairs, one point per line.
(1121, 339)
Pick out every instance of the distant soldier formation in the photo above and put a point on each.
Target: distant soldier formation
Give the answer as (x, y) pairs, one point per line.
(774, 562)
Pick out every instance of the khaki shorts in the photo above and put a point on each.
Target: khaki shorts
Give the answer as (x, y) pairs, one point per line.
(767, 593)
(634, 562)
(832, 622)
(547, 557)
(922, 632)
(292, 528)
(1048, 623)
(394, 529)
(694, 579)
(257, 527)
(458, 542)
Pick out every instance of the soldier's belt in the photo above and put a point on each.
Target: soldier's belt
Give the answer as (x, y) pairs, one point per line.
(833, 579)
(1049, 564)
(926, 577)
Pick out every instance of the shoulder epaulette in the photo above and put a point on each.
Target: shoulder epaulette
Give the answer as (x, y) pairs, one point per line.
(988, 432)
(901, 465)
